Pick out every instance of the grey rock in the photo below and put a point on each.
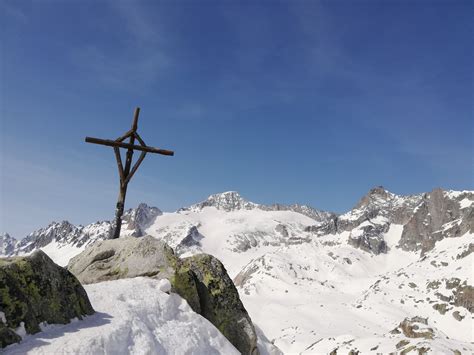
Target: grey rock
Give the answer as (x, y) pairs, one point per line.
(138, 219)
(192, 241)
(371, 239)
(438, 216)
(380, 202)
(124, 257)
(33, 290)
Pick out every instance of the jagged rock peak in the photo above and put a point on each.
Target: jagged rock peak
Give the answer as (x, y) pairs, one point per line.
(227, 201)
(141, 216)
(376, 195)
(7, 244)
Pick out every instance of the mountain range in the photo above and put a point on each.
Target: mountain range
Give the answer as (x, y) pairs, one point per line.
(313, 281)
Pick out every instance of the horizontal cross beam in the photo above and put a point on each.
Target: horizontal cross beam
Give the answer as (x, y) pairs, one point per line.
(112, 143)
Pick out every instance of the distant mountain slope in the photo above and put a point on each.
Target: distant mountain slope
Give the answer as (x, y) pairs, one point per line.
(232, 201)
(313, 281)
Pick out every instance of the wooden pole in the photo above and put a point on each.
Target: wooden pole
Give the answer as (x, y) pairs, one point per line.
(124, 184)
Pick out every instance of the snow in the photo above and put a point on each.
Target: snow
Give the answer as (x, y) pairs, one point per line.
(456, 194)
(306, 298)
(61, 253)
(221, 230)
(465, 203)
(133, 317)
(2, 317)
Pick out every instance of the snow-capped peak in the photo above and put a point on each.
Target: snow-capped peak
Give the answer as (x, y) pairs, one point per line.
(376, 196)
(226, 201)
(140, 217)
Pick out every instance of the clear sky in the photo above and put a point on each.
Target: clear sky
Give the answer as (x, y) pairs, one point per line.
(297, 101)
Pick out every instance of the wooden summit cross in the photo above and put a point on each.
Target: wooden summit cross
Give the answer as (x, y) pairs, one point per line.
(126, 173)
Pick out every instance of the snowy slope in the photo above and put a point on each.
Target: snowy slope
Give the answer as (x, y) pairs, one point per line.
(326, 295)
(133, 317)
(234, 237)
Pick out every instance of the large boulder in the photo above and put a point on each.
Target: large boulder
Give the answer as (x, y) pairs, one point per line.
(201, 280)
(219, 301)
(123, 258)
(33, 290)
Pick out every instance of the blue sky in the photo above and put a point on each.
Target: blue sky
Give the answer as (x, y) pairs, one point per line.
(304, 101)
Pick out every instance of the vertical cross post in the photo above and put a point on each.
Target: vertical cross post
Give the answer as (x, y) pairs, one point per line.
(123, 177)
(127, 172)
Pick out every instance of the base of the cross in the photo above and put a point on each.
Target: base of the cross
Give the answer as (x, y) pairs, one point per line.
(118, 220)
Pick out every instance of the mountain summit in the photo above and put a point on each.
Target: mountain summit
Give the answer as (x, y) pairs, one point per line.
(226, 201)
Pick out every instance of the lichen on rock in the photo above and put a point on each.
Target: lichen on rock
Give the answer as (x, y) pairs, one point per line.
(220, 303)
(33, 289)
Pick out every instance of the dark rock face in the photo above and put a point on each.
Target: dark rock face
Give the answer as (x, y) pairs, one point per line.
(33, 290)
(380, 202)
(192, 239)
(371, 239)
(438, 216)
(219, 301)
(140, 218)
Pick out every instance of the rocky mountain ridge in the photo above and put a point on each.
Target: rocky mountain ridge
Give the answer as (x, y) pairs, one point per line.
(65, 233)
(231, 201)
(426, 218)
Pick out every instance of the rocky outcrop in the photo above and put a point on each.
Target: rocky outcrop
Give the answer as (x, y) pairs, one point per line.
(33, 289)
(136, 220)
(380, 202)
(201, 280)
(219, 301)
(192, 241)
(123, 258)
(416, 327)
(371, 238)
(440, 215)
